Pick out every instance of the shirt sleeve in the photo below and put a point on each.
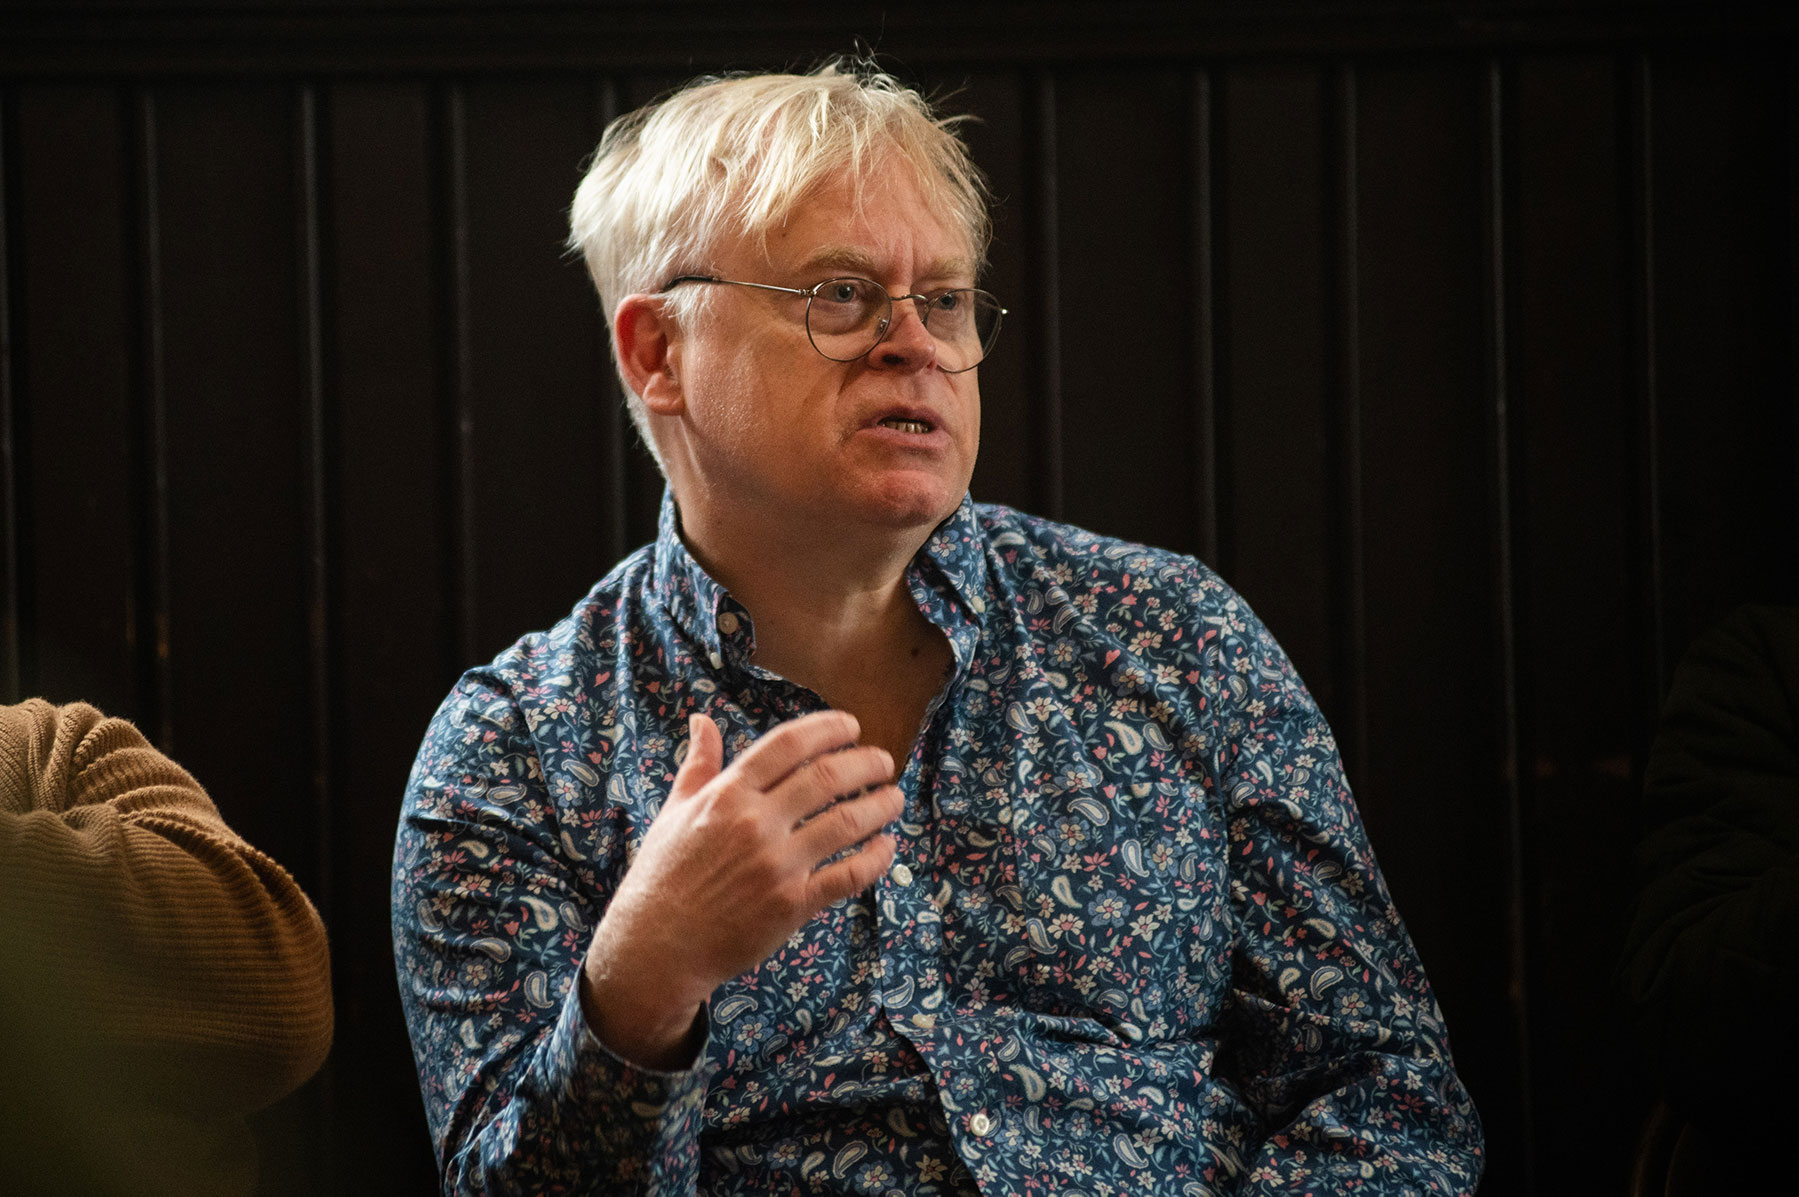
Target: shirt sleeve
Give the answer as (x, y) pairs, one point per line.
(492, 913)
(142, 929)
(1331, 1033)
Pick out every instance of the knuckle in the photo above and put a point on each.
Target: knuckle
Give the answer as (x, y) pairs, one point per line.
(847, 816)
(818, 724)
(776, 737)
(828, 772)
(836, 884)
(868, 864)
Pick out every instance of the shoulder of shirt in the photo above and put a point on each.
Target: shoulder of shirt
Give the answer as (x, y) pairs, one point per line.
(540, 657)
(1045, 544)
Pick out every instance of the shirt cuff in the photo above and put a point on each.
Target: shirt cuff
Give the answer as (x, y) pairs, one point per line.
(646, 1122)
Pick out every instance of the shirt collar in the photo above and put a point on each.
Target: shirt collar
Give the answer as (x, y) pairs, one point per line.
(948, 579)
(697, 605)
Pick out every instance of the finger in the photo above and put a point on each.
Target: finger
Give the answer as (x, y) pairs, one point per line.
(790, 745)
(705, 754)
(817, 783)
(854, 873)
(849, 822)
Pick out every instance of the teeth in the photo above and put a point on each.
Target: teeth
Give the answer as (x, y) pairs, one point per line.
(906, 425)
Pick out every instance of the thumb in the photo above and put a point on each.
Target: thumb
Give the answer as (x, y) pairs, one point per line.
(705, 756)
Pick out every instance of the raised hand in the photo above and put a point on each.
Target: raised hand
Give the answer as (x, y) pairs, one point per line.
(730, 869)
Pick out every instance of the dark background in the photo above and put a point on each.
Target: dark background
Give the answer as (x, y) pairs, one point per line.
(1458, 336)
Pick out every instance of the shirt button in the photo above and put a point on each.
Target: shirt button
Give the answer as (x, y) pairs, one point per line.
(727, 624)
(981, 1124)
(902, 875)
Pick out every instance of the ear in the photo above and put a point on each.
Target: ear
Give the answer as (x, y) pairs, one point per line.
(649, 350)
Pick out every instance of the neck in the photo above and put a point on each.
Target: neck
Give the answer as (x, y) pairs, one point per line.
(822, 599)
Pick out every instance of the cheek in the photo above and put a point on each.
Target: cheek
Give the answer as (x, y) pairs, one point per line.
(969, 395)
(727, 397)
(765, 399)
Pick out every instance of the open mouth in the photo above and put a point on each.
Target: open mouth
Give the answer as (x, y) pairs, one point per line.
(900, 425)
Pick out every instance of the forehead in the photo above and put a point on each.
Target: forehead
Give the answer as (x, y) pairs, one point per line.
(885, 228)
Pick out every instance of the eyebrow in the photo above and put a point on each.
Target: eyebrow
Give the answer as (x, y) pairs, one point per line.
(859, 261)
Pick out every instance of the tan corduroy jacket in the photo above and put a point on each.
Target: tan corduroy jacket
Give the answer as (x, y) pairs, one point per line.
(159, 977)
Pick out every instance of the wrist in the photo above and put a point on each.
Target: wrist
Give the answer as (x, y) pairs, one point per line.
(652, 1025)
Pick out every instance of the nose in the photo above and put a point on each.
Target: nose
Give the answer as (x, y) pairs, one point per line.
(908, 344)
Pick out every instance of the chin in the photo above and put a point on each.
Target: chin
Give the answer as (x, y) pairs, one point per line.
(909, 505)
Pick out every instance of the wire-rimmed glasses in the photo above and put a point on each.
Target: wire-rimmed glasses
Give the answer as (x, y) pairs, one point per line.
(847, 317)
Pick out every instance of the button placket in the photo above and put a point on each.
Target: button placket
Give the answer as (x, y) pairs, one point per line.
(728, 626)
(913, 988)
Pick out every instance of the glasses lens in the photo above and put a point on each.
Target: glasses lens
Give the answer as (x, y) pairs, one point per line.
(965, 322)
(846, 316)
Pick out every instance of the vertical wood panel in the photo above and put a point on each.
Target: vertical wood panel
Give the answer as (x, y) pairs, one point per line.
(1511, 1117)
(1051, 460)
(12, 486)
(537, 358)
(1577, 680)
(1012, 405)
(455, 186)
(319, 573)
(1126, 307)
(319, 474)
(1280, 501)
(388, 344)
(234, 354)
(78, 415)
(1202, 333)
(152, 362)
(1349, 646)
(1727, 502)
(1638, 138)
(1434, 790)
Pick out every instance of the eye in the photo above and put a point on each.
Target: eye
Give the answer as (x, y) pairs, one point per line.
(949, 301)
(844, 307)
(843, 290)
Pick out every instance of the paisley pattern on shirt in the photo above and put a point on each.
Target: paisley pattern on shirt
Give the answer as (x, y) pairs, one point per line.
(1134, 940)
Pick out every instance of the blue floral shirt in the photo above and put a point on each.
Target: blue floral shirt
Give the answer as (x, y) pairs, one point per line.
(1133, 941)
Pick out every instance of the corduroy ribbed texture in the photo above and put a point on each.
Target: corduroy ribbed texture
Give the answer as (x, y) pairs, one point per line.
(159, 977)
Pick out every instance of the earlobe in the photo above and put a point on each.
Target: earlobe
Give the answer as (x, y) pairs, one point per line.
(649, 344)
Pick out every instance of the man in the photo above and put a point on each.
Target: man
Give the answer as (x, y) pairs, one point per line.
(664, 920)
(162, 978)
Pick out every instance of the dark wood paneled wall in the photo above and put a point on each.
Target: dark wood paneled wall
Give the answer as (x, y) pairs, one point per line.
(1458, 336)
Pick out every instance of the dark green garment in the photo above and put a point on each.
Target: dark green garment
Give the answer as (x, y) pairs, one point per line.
(1711, 972)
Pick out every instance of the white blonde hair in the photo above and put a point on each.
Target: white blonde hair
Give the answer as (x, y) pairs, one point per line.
(733, 156)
